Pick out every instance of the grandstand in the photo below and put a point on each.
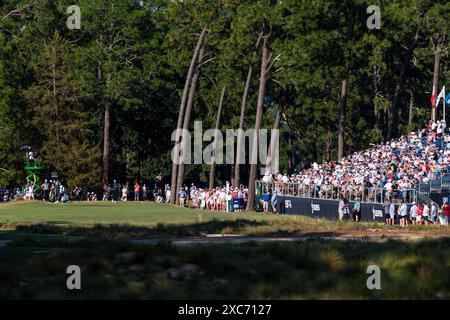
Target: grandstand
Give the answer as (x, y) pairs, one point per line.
(412, 168)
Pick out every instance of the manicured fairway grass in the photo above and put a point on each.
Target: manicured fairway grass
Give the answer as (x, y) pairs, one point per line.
(136, 219)
(147, 213)
(148, 219)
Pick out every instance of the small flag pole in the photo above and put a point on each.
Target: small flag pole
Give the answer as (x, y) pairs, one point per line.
(433, 106)
(444, 102)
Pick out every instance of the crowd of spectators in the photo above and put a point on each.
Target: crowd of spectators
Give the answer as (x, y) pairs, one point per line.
(55, 191)
(48, 191)
(5, 194)
(422, 213)
(225, 198)
(220, 199)
(394, 167)
(52, 191)
(118, 191)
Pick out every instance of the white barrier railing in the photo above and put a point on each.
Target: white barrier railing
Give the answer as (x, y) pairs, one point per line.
(328, 192)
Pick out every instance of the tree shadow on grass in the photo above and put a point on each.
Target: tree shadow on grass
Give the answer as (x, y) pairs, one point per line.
(124, 231)
(313, 269)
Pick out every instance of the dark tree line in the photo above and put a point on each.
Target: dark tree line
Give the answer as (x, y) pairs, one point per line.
(101, 103)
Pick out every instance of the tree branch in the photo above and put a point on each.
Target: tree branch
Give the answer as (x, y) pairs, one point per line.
(18, 12)
(273, 61)
(206, 61)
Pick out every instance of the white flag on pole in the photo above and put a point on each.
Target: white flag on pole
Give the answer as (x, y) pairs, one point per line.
(440, 96)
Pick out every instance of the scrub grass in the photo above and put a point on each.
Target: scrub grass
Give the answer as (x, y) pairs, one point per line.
(312, 269)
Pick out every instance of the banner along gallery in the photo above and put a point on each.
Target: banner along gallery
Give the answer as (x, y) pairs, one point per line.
(327, 209)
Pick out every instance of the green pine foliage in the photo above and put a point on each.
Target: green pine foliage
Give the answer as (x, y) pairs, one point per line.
(134, 56)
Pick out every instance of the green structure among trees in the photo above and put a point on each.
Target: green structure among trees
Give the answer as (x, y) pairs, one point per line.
(32, 167)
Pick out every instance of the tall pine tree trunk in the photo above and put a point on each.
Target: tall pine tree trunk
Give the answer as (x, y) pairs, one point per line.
(343, 99)
(127, 157)
(173, 184)
(376, 112)
(106, 139)
(187, 119)
(107, 124)
(411, 112)
(212, 171)
(258, 123)
(290, 153)
(437, 64)
(392, 112)
(342, 111)
(240, 138)
(276, 126)
(328, 142)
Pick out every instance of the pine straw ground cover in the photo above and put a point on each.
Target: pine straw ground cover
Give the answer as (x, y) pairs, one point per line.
(311, 269)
